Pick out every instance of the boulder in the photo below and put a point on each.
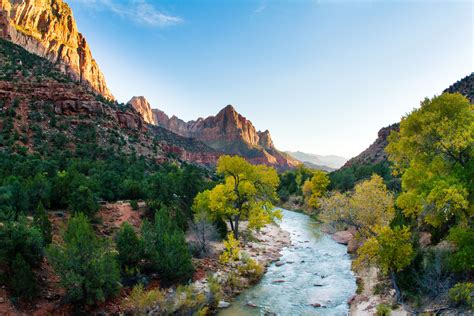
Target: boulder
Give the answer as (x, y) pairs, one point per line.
(342, 237)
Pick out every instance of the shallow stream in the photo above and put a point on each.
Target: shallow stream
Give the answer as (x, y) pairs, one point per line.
(315, 270)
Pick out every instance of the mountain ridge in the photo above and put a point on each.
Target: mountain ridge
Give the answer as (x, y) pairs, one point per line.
(228, 132)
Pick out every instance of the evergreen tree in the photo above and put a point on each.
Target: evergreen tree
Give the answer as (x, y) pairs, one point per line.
(83, 200)
(86, 266)
(166, 248)
(41, 221)
(22, 279)
(129, 247)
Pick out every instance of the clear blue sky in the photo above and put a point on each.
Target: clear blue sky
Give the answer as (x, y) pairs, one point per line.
(322, 76)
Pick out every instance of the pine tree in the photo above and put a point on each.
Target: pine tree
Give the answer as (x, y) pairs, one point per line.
(22, 279)
(42, 222)
(86, 266)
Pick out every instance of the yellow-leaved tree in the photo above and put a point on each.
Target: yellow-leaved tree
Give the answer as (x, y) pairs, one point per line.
(368, 206)
(434, 154)
(247, 193)
(314, 188)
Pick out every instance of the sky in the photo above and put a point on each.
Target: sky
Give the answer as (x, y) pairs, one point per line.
(322, 76)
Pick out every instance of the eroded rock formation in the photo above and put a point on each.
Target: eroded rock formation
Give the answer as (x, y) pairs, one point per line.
(228, 132)
(47, 28)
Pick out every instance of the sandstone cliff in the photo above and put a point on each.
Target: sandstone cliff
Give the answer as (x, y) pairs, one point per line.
(228, 132)
(465, 86)
(47, 28)
(55, 113)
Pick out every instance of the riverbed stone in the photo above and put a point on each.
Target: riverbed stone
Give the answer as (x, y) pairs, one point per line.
(223, 304)
(342, 237)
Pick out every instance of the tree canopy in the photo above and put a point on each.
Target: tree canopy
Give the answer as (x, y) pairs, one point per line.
(247, 192)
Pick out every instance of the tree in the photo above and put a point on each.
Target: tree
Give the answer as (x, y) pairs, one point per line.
(203, 232)
(433, 151)
(166, 248)
(390, 250)
(314, 188)
(462, 260)
(41, 221)
(248, 192)
(83, 200)
(129, 247)
(22, 279)
(370, 205)
(86, 265)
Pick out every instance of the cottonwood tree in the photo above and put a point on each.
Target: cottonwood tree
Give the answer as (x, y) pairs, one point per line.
(247, 193)
(314, 188)
(390, 250)
(370, 205)
(433, 151)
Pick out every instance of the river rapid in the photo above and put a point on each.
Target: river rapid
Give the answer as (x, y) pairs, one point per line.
(316, 270)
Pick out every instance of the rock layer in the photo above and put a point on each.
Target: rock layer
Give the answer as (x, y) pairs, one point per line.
(47, 28)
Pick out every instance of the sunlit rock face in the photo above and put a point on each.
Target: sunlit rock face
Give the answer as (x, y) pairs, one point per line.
(227, 132)
(47, 28)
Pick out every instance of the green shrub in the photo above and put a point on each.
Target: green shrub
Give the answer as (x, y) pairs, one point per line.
(41, 221)
(166, 248)
(129, 247)
(83, 200)
(383, 310)
(22, 279)
(134, 205)
(251, 269)
(462, 260)
(140, 301)
(88, 270)
(462, 294)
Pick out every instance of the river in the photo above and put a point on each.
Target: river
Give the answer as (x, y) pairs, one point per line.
(316, 269)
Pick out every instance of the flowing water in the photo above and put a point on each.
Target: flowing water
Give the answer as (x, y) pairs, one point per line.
(316, 270)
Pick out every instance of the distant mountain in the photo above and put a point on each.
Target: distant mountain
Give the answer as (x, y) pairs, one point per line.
(330, 162)
(47, 28)
(227, 132)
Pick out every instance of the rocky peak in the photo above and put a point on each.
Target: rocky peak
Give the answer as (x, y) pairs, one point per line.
(141, 105)
(265, 139)
(47, 28)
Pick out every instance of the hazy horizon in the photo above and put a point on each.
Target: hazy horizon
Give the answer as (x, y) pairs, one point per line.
(322, 76)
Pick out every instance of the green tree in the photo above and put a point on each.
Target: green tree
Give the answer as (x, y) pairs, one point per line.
(248, 192)
(83, 200)
(41, 221)
(369, 206)
(314, 188)
(88, 269)
(433, 151)
(166, 248)
(390, 250)
(462, 260)
(129, 247)
(22, 280)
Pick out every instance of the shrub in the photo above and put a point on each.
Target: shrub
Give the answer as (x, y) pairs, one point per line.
(134, 204)
(140, 301)
(462, 293)
(231, 252)
(462, 260)
(215, 290)
(383, 310)
(251, 269)
(82, 200)
(22, 280)
(166, 248)
(129, 247)
(41, 221)
(188, 300)
(88, 270)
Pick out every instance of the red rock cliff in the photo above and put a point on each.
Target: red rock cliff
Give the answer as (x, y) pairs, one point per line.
(47, 28)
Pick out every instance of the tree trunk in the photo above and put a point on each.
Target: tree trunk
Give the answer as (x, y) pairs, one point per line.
(398, 293)
(236, 228)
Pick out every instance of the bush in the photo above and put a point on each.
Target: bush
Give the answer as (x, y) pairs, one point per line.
(383, 310)
(462, 260)
(22, 280)
(88, 270)
(251, 269)
(82, 200)
(140, 301)
(134, 204)
(129, 247)
(231, 252)
(188, 300)
(41, 221)
(166, 248)
(462, 294)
